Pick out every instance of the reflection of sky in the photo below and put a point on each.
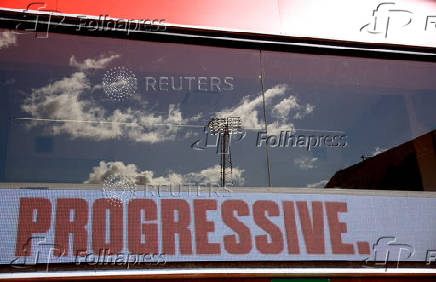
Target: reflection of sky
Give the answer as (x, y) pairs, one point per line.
(372, 113)
(366, 124)
(75, 152)
(372, 101)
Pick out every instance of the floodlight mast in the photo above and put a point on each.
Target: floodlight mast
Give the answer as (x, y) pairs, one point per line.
(224, 128)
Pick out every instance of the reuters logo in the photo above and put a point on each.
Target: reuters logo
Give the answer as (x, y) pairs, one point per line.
(119, 83)
(119, 188)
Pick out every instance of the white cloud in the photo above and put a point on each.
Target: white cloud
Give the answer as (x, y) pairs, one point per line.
(283, 109)
(306, 162)
(303, 111)
(71, 112)
(377, 151)
(89, 64)
(209, 176)
(7, 38)
(64, 102)
(105, 170)
(319, 184)
(250, 111)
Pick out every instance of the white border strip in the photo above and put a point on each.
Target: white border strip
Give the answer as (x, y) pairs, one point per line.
(228, 272)
(234, 189)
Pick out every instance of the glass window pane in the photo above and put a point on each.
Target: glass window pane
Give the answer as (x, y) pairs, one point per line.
(347, 122)
(79, 109)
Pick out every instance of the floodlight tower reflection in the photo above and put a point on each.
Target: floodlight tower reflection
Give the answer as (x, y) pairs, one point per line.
(224, 128)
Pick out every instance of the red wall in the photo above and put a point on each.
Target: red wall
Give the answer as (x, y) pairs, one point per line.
(333, 19)
(255, 15)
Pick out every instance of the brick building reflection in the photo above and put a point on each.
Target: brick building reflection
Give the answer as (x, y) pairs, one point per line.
(409, 166)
